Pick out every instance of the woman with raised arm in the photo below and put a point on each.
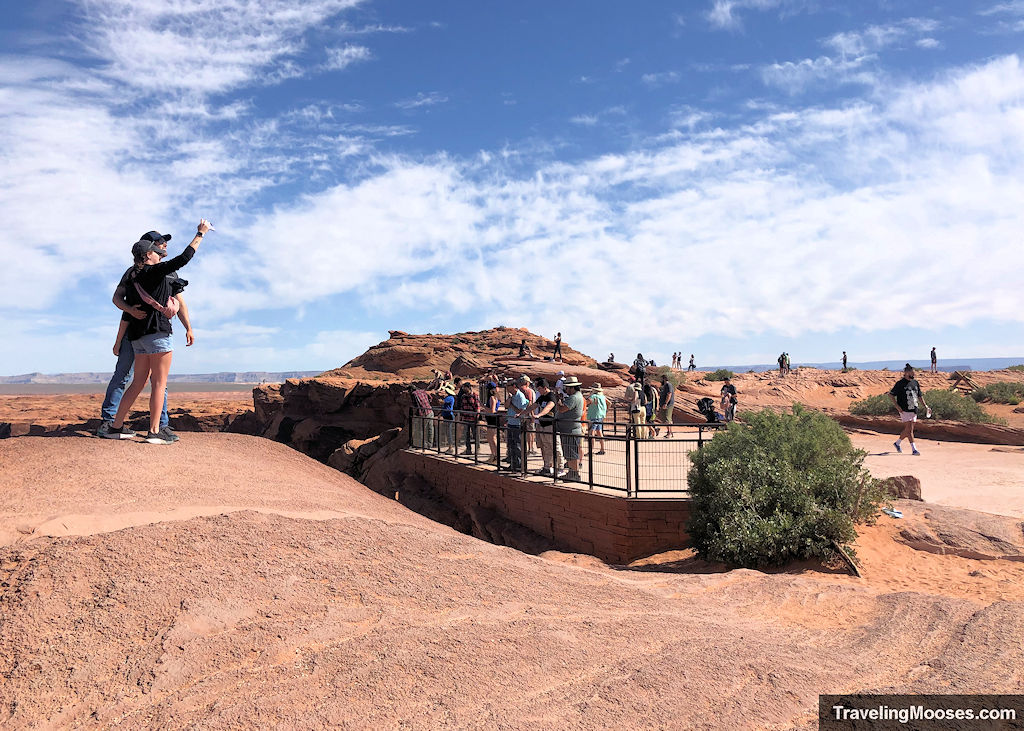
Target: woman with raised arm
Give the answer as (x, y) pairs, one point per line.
(150, 336)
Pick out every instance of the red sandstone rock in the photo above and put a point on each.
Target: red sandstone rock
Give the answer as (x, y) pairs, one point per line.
(414, 356)
(906, 487)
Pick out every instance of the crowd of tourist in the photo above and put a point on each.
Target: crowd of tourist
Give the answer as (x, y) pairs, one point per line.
(550, 418)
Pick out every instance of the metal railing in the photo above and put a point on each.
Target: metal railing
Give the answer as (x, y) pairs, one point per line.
(630, 459)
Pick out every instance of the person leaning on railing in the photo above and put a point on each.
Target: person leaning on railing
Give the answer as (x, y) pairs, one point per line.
(423, 427)
(543, 413)
(447, 422)
(569, 424)
(469, 408)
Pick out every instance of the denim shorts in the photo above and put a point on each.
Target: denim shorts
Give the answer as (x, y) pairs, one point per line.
(152, 344)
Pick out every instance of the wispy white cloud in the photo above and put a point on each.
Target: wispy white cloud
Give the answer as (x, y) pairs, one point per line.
(661, 78)
(586, 120)
(345, 56)
(201, 46)
(726, 14)
(422, 99)
(812, 220)
(874, 38)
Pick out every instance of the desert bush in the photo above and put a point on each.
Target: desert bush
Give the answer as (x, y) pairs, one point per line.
(880, 405)
(674, 377)
(1016, 368)
(1007, 392)
(944, 405)
(951, 405)
(849, 368)
(780, 489)
(720, 375)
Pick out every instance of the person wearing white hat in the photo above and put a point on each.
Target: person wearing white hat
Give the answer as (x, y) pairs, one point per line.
(560, 384)
(569, 425)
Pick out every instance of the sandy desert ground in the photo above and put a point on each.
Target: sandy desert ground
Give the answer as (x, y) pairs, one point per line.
(229, 581)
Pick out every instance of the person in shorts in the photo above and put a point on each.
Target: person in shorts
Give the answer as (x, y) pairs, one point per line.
(667, 401)
(935, 362)
(123, 348)
(597, 410)
(150, 336)
(907, 398)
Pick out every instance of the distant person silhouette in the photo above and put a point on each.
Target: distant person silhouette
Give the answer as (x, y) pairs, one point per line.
(935, 362)
(844, 360)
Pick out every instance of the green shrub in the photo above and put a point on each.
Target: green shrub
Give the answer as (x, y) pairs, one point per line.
(848, 369)
(1007, 392)
(674, 377)
(880, 405)
(944, 405)
(780, 489)
(951, 405)
(720, 375)
(1016, 368)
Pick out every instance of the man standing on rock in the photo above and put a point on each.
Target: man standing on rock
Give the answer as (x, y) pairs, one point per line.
(692, 366)
(558, 348)
(906, 397)
(935, 361)
(844, 360)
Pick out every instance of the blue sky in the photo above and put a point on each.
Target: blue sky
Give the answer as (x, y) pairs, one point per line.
(730, 178)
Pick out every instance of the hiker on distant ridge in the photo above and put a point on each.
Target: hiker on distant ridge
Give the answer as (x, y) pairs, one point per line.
(935, 361)
(692, 366)
(640, 367)
(844, 360)
(557, 355)
(907, 398)
(782, 365)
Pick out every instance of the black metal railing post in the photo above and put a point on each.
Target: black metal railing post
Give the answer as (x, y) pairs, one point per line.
(411, 442)
(522, 448)
(636, 468)
(590, 459)
(497, 443)
(629, 471)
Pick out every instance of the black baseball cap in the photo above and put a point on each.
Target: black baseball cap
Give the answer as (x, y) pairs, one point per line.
(155, 236)
(145, 246)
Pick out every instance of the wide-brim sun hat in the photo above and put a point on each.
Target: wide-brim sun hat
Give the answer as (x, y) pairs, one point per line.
(596, 387)
(572, 381)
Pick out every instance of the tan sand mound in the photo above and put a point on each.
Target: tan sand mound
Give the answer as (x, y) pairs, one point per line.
(371, 616)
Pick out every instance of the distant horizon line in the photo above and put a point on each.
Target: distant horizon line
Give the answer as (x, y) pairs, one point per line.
(944, 365)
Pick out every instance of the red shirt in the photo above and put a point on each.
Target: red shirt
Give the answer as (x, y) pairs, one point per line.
(470, 402)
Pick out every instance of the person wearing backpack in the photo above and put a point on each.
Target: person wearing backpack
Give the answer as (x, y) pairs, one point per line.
(907, 398)
(150, 335)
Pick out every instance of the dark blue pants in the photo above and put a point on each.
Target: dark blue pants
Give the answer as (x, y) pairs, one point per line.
(514, 440)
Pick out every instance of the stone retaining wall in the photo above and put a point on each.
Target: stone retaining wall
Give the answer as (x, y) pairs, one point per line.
(615, 529)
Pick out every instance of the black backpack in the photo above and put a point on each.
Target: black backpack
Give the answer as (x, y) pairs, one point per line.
(706, 407)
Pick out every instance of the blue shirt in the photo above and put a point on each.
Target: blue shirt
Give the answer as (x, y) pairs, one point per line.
(517, 403)
(447, 407)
